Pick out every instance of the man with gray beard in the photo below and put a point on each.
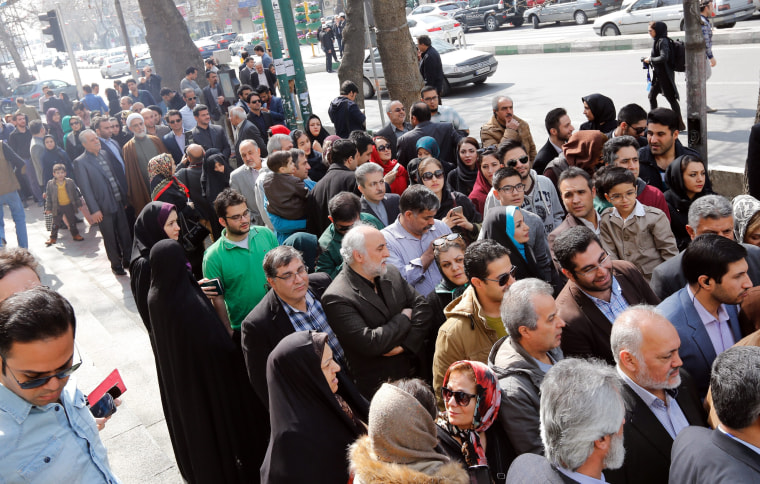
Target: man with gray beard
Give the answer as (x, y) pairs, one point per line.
(137, 153)
(661, 395)
(582, 416)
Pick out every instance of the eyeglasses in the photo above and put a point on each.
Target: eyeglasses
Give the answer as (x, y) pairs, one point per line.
(175, 121)
(383, 147)
(523, 159)
(512, 188)
(504, 278)
(489, 150)
(619, 196)
(461, 398)
(398, 110)
(427, 99)
(591, 270)
(237, 218)
(191, 98)
(38, 382)
(288, 276)
(254, 101)
(428, 175)
(443, 239)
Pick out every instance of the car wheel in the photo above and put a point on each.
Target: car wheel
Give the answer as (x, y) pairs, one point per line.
(726, 26)
(518, 21)
(465, 28)
(480, 81)
(369, 90)
(610, 30)
(491, 23)
(534, 20)
(446, 88)
(580, 17)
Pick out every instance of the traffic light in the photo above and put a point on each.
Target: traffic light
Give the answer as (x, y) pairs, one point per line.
(54, 30)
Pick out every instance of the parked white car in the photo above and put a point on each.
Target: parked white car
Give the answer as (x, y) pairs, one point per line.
(116, 66)
(435, 26)
(441, 8)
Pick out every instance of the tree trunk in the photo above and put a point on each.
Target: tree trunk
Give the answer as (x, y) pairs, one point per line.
(399, 59)
(171, 48)
(353, 48)
(757, 113)
(10, 46)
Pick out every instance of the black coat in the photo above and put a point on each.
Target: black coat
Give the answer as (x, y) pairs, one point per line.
(703, 455)
(753, 161)
(213, 137)
(444, 133)
(499, 451)
(647, 443)
(264, 327)
(390, 201)
(212, 104)
(659, 59)
(679, 202)
(650, 172)
(546, 154)
(248, 130)
(177, 152)
(337, 179)
(431, 70)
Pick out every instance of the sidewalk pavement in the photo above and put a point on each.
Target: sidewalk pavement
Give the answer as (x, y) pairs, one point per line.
(110, 334)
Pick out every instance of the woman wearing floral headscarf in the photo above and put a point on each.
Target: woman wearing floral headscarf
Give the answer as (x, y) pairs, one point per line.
(472, 397)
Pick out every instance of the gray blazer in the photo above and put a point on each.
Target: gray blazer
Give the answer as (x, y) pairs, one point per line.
(535, 469)
(94, 185)
(242, 181)
(704, 455)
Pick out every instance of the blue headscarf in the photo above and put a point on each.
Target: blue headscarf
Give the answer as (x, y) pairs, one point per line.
(510, 211)
(430, 144)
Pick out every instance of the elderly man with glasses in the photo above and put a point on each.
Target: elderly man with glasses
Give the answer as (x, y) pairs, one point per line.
(598, 290)
(397, 125)
(48, 432)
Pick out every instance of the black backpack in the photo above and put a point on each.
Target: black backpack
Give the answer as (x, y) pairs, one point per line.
(677, 60)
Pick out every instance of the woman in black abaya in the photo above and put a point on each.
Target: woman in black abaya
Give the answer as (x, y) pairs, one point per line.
(315, 413)
(216, 427)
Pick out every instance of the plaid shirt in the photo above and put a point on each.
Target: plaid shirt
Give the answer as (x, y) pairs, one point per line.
(314, 318)
(617, 303)
(707, 34)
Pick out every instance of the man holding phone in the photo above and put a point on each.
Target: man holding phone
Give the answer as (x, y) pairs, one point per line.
(48, 433)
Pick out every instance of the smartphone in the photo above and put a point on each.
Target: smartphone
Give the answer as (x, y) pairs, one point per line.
(104, 408)
(112, 385)
(395, 168)
(479, 474)
(457, 210)
(216, 284)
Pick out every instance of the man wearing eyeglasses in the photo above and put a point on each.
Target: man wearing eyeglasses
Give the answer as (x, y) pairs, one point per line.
(191, 99)
(521, 359)
(397, 125)
(598, 290)
(442, 114)
(473, 321)
(48, 433)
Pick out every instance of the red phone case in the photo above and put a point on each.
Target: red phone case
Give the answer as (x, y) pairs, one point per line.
(114, 379)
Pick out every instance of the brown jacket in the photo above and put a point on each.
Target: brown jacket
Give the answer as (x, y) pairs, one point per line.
(493, 133)
(51, 195)
(464, 336)
(138, 193)
(644, 241)
(8, 180)
(588, 330)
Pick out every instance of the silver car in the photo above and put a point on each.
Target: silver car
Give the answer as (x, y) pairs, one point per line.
(460, 66)
(578, 11)
(116, 66)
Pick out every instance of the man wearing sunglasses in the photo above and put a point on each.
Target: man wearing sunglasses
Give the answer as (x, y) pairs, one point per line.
(521, 360)
(632, 121)
(191, 99)
(473, 321)
(397, 125)
(598, 290)
(48, 433)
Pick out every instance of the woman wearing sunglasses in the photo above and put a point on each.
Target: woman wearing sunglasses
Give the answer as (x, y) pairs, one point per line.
(472, 397)
(456, 210)
(394, 174)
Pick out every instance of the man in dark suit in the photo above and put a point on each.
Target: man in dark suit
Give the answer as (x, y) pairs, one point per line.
(178, 139)
(104, 186)
(208, 135)
(271, 104)
(431, 67)
(443, 133)
(375, 200)
(560, 128)
(380, 320)
(729, 453)
(339, 178)
(259, 76)
(397, 126)
(705, 312)
(753, 161)
(261, 119)
(662, 397)
(597, 291)
(711, 214)
(242, 129)
(292, 304)
(245, 72)
(212, 95)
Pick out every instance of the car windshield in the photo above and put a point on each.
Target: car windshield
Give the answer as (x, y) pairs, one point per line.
(451, 6)
(442, 46)
(24, 89)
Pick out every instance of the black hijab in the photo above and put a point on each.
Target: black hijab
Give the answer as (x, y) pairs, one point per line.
(322, 132)
(660, 30)
(603, 109)
(310, 430)
(212, 181)
(678, 201)
(462, 178)
(217, 425)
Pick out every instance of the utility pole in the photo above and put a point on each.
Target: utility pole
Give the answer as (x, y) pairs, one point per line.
(69, 51)
(125, 37)
(696, 99)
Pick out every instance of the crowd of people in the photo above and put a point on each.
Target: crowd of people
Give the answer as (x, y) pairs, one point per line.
(413, 306)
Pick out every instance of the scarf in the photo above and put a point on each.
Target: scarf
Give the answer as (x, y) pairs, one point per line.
(510, 211)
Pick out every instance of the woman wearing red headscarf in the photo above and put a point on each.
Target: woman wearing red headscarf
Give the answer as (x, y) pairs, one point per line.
(395, 174)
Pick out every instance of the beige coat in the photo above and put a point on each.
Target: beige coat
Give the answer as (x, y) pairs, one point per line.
(493, 133)
(644, 241)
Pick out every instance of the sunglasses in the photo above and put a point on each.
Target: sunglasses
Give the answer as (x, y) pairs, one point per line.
(523, 159)
(504, 278)
(174, 121)
(38, 382)
(428, 175)
(383, 147)
(255, 101)
(640, 130)
(443, 239)
(461, 398)
(191, 98)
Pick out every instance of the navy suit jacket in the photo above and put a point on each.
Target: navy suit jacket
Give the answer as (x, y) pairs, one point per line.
(696, 351)
(175, 150)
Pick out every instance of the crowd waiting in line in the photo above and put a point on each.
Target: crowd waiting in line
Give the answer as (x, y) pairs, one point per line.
(527, 313)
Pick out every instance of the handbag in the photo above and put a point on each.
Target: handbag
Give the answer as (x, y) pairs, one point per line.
(192, 233)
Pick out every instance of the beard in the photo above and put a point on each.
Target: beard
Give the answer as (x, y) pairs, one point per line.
(645, 380)
(141, 134)
(616, 455)
(376, 270)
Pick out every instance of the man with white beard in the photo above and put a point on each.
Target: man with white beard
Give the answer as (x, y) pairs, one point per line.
(137, 153)
(582, 417)
(661, 395)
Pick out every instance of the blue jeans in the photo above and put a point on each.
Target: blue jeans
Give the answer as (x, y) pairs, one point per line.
(19, 218)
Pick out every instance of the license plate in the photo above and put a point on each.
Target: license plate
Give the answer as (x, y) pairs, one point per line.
(482, 70)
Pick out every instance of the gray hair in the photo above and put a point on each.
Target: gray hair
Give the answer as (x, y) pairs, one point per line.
(496, 99)
(248, 142)
(710, 206)
(354, 240)
(188, 90)
(626, 330)
(275, 142)
(85, 133)
(364, 170)
(238, 113)
(735, 386)
(129, 99)
(580, 403)
(281, 255)
(517, 306)
(388, 106)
